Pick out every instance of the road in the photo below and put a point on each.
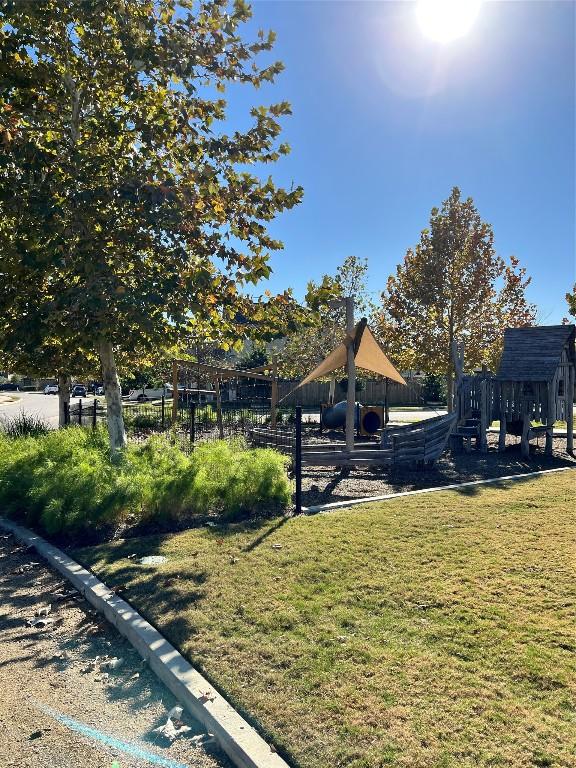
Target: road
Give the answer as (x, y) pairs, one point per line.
(60, 706)
(45, 406)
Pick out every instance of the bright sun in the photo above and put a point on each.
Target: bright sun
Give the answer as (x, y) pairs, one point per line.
(445, 20)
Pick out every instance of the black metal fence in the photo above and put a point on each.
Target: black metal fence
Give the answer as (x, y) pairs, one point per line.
(196, 422)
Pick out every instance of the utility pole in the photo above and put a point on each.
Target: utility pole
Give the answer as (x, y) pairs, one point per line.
(351, 373)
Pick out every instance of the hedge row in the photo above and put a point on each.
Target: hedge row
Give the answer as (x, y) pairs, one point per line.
(65, 481)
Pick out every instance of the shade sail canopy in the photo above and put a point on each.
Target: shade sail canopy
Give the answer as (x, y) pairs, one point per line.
(369, 356)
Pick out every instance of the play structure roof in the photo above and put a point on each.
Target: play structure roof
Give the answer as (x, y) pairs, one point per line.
(534, 354)
(368, 355)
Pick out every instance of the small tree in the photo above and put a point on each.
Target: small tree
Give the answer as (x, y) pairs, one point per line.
(326, 325)
(452, 286)
(124, 200)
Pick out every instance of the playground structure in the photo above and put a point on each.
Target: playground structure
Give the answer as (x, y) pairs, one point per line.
(533, 388)
(420, 443)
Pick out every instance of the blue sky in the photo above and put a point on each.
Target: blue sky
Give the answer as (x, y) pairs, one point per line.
(386, 122)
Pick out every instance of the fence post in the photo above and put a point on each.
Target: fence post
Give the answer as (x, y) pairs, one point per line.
(80, 411)
(163, 412)
(192, 422)
(321, 425)
(94, 414)
(298, 459)
(66, 414)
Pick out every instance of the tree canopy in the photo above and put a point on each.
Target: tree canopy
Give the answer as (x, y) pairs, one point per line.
(128, 206)
(326, 326)
(453, 286)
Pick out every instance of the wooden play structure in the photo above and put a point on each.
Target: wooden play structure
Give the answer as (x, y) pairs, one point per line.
(533, 388)
(535, 383)
(418, 444)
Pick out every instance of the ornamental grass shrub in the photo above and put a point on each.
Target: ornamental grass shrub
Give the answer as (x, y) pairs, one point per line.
(65, 481)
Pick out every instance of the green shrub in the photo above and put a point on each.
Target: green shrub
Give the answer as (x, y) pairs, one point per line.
(24, 425)
(145, 421)
(235, 481)
(64, 481)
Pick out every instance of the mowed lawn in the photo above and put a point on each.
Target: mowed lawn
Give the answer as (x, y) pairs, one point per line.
(434, 630)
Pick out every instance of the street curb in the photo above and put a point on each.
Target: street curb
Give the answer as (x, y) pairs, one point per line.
(370, 499)
(239, 740)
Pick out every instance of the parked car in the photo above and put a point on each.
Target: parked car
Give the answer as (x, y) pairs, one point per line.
(9, 386)
(79, 390)
(99, 391)
(51, 389)
(146, 393)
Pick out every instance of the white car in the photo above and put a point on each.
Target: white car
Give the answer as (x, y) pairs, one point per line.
(146, 393)
(51, 389)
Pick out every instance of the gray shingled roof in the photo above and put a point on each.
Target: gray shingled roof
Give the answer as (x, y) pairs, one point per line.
(533, 354)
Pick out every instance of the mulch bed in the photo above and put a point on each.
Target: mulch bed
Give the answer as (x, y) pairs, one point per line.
(323, 485)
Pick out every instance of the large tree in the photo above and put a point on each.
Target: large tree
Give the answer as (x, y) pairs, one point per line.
(125, 197)
(453, 286)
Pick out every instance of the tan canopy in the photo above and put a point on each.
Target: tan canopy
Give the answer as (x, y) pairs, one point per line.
(368, 355)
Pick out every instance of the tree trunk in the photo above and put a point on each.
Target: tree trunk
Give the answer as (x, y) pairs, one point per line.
(113, 394)
(64, 384)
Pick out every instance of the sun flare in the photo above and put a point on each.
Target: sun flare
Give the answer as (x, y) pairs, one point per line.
(446, 20)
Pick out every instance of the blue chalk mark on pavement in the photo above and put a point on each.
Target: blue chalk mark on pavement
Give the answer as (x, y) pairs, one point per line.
(129, 748)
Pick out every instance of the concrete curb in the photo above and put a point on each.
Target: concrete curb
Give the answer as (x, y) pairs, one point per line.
(370, 499)
(243, 745)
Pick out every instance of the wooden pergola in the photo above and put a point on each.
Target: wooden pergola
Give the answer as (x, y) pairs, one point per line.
(218, 374)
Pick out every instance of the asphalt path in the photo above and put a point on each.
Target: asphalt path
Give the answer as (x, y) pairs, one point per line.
(74, 693)
(45, 406)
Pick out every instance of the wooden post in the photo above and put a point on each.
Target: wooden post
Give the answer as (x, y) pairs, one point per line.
(174, 392)
(454, 398)
(482, 438)
(524, 442)
(298, 459)
(502, 434)
(570, 411)
(351, 372)
(331, 390)
(274, 393)
(550, 417)
(386, 408)
(219, 409)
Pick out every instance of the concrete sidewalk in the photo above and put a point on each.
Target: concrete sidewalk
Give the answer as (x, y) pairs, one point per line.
(59, 707)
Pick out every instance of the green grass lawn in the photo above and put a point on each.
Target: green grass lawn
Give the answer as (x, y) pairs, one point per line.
(423, 632)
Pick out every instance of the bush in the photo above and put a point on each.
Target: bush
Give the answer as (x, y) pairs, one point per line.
(24, 425)
(145, 421)
(64, 481)
(434, 388)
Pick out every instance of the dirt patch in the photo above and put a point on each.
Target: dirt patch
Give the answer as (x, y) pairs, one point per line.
(65, 703)
(323, 485)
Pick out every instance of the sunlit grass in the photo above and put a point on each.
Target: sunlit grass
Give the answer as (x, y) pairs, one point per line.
(430, 631)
